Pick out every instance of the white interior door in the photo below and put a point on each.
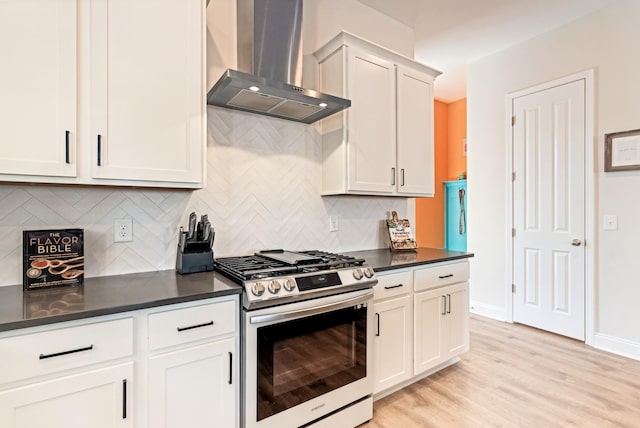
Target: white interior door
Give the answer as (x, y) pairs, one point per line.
(549, 209)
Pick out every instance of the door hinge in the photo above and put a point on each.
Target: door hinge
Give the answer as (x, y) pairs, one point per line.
(513, 288)
(513, 120)
(513, 232)
(513, 176)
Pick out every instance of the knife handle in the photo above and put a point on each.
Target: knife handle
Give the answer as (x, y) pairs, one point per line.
(206, 230)
(192, 225)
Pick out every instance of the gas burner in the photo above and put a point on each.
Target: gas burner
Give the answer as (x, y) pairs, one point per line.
(274, 277)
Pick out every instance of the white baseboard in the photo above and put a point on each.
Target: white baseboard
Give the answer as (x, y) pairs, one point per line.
(488, 311)
(615, 345)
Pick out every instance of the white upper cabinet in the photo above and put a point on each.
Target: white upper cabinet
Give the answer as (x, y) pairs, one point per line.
(372, 83)
(38, 89)
(382, 144)
(147, 90)
(103, 92)
(415, 134)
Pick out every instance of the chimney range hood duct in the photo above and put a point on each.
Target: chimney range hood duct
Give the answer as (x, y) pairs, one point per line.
(270, 66)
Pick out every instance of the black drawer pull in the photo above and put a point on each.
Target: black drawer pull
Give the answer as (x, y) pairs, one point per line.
(99, 150)
(58, 354)
(124, 399)
(191, 327)
(66, 146)
(230, 368)
(446, 276)
(389, 287)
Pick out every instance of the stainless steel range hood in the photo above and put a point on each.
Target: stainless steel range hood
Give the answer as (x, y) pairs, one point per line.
(270, 66)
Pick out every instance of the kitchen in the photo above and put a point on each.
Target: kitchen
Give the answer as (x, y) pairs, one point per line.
(243, 203)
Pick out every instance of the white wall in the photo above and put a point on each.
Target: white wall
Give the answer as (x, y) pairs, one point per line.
(263, 185)
(607, 41)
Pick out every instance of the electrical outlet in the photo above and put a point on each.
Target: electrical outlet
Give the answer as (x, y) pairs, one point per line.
(122, 230)
(610, 222)
(334, 224)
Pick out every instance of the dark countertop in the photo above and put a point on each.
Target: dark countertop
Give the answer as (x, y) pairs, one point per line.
(107, 295)
(384, 259)
(121, 293)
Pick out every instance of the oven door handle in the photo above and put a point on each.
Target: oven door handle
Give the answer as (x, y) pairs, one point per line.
(282, 316)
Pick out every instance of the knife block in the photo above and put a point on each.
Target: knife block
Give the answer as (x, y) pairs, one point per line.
(194, 257)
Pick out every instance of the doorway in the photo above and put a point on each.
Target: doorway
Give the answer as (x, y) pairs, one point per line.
(551, 184)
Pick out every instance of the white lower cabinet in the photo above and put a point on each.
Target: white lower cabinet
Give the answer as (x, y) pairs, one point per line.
(193, 387)
(422, 322)
(441, 325)
(173, 366)
(98, 399)
(75, 374)
(393, 342)
(193, 366)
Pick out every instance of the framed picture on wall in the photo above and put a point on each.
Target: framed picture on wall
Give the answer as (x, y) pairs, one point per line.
(622, 151)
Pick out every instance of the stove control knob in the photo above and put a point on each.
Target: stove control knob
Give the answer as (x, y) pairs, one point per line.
(289, 284)
(357, 274)
(257, 289)
(368, 271)
(274, 287)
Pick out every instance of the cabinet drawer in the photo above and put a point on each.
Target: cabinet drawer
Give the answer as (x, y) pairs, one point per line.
(393, 284)
(441, 274)
(46, 352)
(189, 324)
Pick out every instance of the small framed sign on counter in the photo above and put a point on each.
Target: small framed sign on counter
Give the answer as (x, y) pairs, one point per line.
(622, 151)
(52, 258)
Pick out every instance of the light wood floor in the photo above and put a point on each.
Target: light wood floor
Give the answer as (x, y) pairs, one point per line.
(517, 376)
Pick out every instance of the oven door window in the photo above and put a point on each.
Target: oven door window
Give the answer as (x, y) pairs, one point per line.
(302, 359)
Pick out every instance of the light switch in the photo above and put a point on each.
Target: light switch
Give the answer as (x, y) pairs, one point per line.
(610, 222)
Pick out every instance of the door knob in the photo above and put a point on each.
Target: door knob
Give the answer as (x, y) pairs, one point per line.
(576, 242)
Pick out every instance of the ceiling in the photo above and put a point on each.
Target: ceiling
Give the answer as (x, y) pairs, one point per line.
(449, 34)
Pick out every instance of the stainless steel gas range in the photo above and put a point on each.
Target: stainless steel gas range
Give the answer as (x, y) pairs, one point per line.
(306, 338)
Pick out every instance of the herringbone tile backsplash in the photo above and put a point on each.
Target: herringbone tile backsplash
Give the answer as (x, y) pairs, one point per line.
(263, 191)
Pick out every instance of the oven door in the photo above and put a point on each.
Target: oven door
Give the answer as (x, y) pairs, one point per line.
(307, 359)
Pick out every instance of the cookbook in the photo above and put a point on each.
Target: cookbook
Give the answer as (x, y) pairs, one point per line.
(400, 234)
(52, 258)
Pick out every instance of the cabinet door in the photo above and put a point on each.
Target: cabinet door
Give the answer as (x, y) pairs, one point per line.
(415, 133)
(371, 123)
(456, 321)
(194, 387)
(147, 90)
(96, 399)
(393, 342)
(38, 86)
(429, 308)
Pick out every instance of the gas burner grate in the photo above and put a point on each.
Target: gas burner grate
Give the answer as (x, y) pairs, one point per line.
(257, 266)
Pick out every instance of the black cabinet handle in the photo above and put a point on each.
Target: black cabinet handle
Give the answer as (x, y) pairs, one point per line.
(446, 276)
(378, 324)
(66, 145)
(99, 150)
(449, 300)
(230, 368)
(389, 287)
(402, 176)
(393, 176)
(59, 354)
(191, 327)
(444, 305)
(124, 399)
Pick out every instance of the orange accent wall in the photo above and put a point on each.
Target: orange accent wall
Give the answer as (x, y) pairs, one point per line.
(450, 128)
(457, 125)
(430, 211)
